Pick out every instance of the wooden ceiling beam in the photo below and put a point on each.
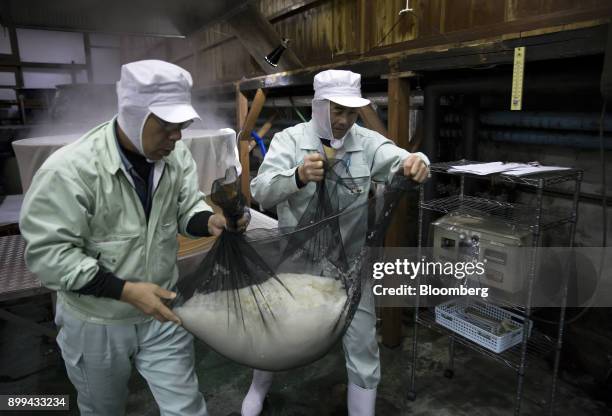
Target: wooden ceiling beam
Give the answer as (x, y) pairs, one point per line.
(579, 42)
(259, 38)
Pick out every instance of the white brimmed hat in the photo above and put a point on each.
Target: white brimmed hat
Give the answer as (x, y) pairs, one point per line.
(341, 87)
(161, 87)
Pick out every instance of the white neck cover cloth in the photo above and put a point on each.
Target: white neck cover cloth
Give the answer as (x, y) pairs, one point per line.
(322, 122)
(341, 87)
(132, 120)
(152, 86)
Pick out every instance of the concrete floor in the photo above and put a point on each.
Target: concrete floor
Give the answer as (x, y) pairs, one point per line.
(29, 364)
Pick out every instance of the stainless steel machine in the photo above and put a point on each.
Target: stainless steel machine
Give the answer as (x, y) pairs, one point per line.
(499, 245)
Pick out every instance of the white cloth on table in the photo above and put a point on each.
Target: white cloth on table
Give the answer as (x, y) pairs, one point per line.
(213, 151)
(31, 154)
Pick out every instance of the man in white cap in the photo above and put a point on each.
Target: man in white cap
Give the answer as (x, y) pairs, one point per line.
(286, 179)
(100, 221)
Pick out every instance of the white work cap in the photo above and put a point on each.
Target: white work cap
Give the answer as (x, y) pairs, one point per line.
(152, 86)
(341, 87)
(161, 87)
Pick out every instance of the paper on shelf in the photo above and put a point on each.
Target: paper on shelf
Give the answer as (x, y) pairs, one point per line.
(514, 169)
(485, 168)
(533, 169)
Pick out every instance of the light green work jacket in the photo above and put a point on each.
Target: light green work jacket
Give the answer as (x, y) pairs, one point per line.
(369, 156)
(82, 211)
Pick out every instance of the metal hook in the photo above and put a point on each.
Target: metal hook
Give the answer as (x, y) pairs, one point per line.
(406, 9)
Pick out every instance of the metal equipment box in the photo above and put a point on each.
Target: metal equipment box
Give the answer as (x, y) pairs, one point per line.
(500, 245)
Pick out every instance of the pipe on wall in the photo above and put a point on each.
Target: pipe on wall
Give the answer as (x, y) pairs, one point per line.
(535, 137)
(546, 120)
(533, 83)
(547, 138)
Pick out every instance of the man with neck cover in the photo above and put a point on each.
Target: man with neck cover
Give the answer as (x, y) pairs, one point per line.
(287, 180)
(100, 221)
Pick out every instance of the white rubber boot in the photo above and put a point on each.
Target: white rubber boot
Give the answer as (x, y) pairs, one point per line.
(360, 401)
(252, 404)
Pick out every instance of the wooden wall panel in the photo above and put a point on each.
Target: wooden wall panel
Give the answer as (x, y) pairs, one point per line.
(144, 47)
(311, 33)
(345, 27)
(457, 14)
(467, 14)
(382, 19)
(524, 8)
(225, 63)
(273, 7)
(430, 16)
(389, 26)
(207, 74)
(487, 12)
(189, 64)
(179, 49)
(323, 31)
(320, 41)
(527, 8)
(130, 48)
(213, 35)
(550, 6)
(237, 62)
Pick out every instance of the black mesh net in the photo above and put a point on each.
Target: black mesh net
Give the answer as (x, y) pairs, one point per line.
(275, 299)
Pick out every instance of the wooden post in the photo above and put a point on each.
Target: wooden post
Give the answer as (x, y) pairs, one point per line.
(246, 123)
(267, 125)
(398, 124)
(364, 12)
(399, 107)
(263, 130)
(253, 115)
(372, 121)
(242, 108)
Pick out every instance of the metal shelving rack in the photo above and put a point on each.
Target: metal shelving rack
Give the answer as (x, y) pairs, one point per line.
(532, 346)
